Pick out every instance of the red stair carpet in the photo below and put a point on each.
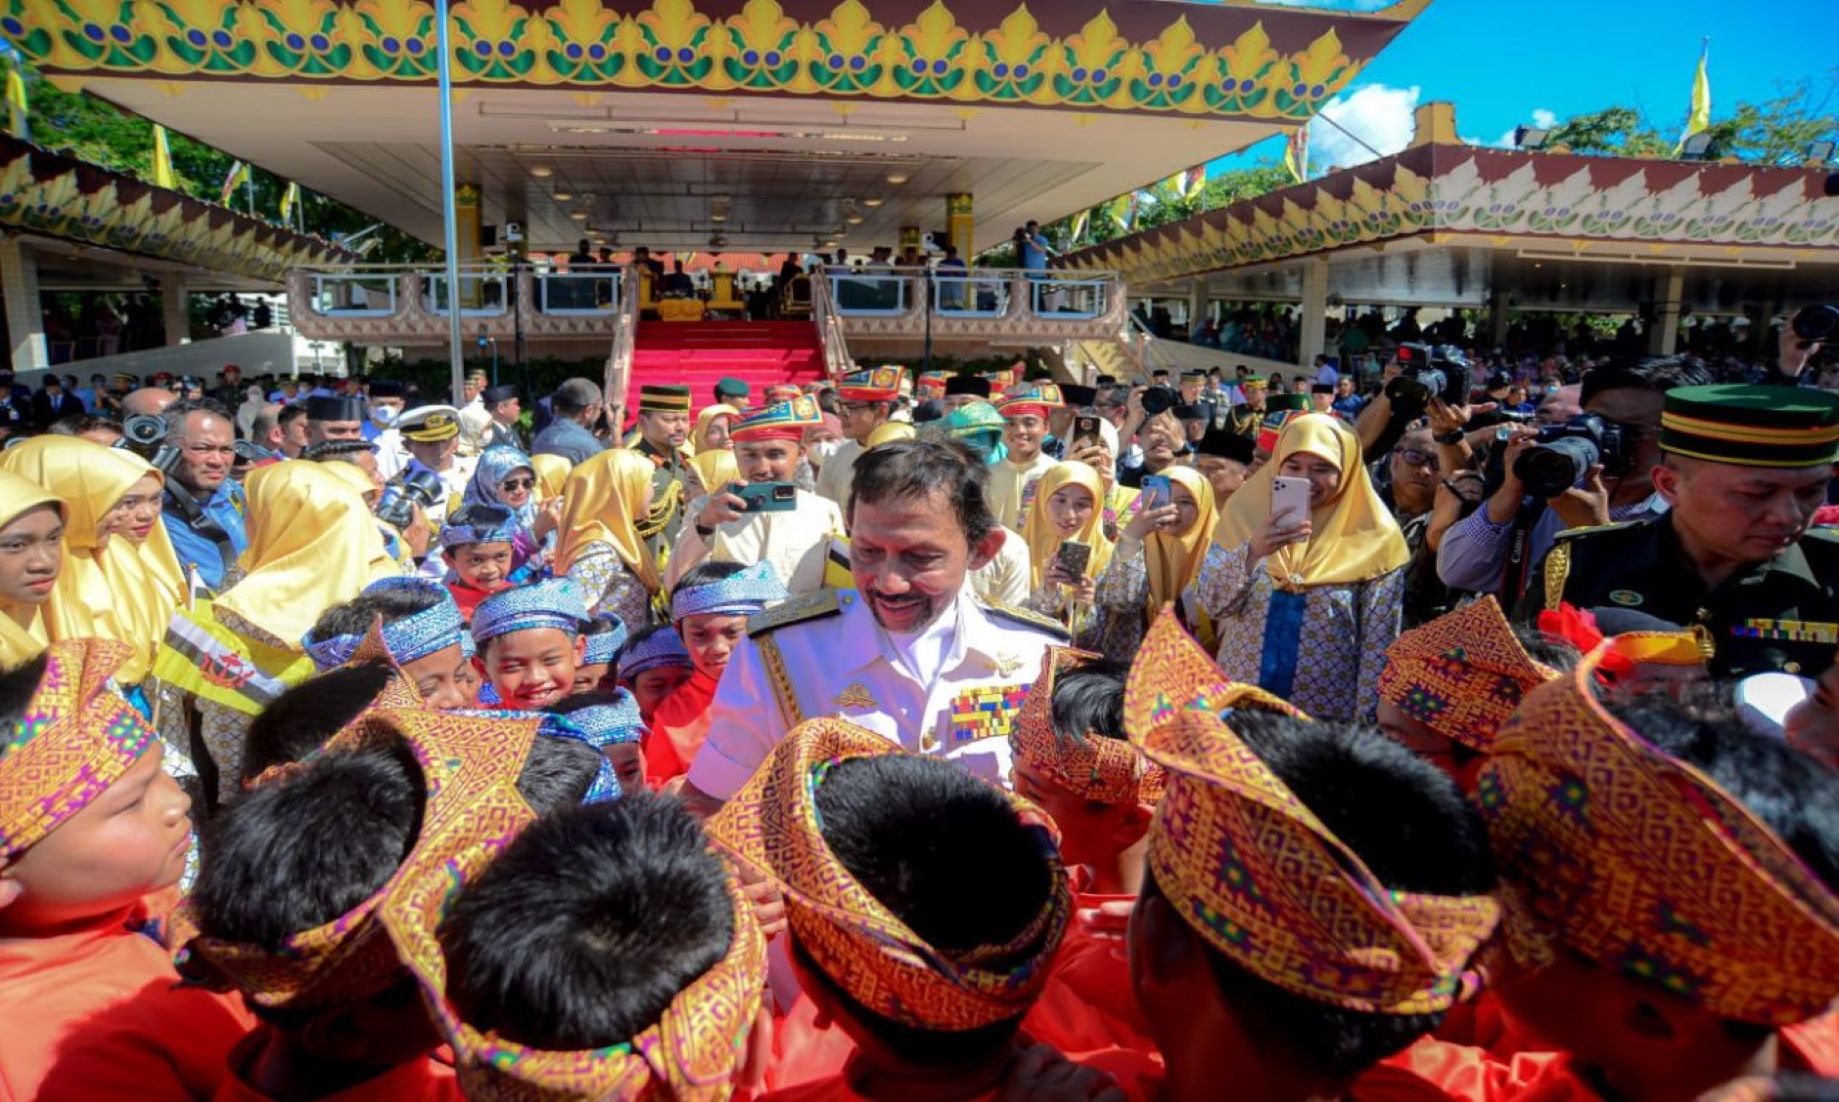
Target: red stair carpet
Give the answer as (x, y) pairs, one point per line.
(700, 353)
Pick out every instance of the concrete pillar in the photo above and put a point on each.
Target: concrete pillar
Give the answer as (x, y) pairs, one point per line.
(1663, 338)
(469, 241)
(25, 319)
(960, 223)
(1314, 320)
(1435, 124)
(1197, 303)
(175, 310)
(1497, 316)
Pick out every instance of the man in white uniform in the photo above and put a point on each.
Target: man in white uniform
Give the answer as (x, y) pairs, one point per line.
(431, 436)
(1012, 478)
(867, 399)
(911, 653)
(768, 443)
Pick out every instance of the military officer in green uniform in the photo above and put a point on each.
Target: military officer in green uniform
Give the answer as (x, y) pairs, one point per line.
(1743, 468)
(664, 427)
(1245, 417)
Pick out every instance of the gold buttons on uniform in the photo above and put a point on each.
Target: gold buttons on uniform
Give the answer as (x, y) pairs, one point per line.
(1791, 667)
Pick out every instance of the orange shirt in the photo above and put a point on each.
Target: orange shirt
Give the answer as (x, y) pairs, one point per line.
(424, 1080)
(99, 1013)
(1088, 1003)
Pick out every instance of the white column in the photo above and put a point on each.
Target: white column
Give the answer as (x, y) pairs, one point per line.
(1197, 303)
(1663, 339)
(25, 320)
(174, 315)
(1315, 311)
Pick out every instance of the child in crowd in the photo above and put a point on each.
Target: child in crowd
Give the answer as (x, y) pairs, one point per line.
(923, 905)
(1672, 876)
(1449, 685)
(610, 722)
(1315, 892)
(477, 545)
(422, 630)
(530, 643)
(599, 671)
(93, 835)
(652, 666)
(709, 607)
(606, 953)
(294, 872)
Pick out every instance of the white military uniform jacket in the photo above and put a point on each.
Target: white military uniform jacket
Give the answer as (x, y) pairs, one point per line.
(825, 656)
(1011, 488)
(795, 543)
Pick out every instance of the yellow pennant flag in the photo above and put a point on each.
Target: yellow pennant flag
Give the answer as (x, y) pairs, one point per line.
(162, 159)
(1296, 153)
(1699, 119)
(1193, 181)
(288, 198)
(1080, 222)
(16, 104)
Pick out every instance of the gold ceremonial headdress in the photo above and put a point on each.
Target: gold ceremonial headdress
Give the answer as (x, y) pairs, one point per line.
(771, 825)
(1462, 674)
(1257, 875)
(470, 765)
(690, 1054)
(75, 739)
(1641, 863)
(1106, 770)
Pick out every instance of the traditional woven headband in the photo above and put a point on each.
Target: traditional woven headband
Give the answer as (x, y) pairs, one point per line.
(745, 593)
(1105, 770)
(554, 603)
(409, 639)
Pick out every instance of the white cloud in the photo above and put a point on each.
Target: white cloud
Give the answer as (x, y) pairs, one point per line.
(1379, 115)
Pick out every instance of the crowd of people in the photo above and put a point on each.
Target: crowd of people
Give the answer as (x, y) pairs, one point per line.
(1448, 732)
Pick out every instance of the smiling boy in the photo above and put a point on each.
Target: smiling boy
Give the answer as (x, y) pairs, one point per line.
(530, 643)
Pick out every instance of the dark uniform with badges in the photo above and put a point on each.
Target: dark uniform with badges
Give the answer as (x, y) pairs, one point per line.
(1778, 614)
(1244, 419)
(672, 483)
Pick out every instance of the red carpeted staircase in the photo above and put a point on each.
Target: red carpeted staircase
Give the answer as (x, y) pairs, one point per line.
(700, 353)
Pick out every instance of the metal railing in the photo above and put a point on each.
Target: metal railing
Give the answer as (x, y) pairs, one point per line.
(577, 294)
(354, 294)
(837, 361)
(482, 294)
(625, 340)
(975, 293)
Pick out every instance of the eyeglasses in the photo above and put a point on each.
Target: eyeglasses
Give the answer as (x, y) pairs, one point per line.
(512, 485)
(1416, 458)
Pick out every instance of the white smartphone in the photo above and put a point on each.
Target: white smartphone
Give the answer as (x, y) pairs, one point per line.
(1289, 501)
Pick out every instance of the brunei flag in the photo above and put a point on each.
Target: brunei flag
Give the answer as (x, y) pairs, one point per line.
(1699, 118)
(238, 176)
(289, 199)
(1296, 153)
(1080, 221)
(16, 104)
(162, 159)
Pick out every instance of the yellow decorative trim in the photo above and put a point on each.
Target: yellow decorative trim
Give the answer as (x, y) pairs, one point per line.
(672, 44)
(1557, 572)
(774, 661)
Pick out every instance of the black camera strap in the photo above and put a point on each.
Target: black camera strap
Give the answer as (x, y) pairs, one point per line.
(202, 523)
(1513, 573)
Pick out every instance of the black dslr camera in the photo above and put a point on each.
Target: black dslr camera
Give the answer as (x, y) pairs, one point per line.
(145, 434)
(1427, 372)
(396, 507)
(1562, 455)
(1159, 399)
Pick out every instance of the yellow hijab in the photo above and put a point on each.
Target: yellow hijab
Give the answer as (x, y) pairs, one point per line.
(551, 472)
(20, 643)
(312, 544)
(716, 468)
(1172, 559)
(699, 436)
(1044, 538)
(101, 593)
(1354, 537)
(602, 502)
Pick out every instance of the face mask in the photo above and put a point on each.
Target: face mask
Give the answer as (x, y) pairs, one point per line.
(384, 415)
(821, 451)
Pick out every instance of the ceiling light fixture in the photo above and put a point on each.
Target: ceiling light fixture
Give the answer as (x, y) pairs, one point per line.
(854, 219)
(898, 178)
(873, 201)
(563, 196)
(578, 215)
(542, 172)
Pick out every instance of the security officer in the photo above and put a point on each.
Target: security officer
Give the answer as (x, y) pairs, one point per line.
(664, 427)
(911, 653)
(1246, 417)
(1743, 468)
(431, 435)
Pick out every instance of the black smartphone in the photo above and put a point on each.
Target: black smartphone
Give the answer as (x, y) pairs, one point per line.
(1085, 434)
(1073, 557)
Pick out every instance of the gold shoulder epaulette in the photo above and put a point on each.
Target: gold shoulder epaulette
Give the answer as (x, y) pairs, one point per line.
(1593, 529)
(797, 610)
(1028, 617)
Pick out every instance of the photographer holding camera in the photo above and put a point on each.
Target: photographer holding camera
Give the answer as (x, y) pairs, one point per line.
(1591, 470)
(1742, 468)
(194, 442)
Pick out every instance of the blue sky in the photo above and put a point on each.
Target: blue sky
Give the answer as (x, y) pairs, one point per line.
(1503, 62)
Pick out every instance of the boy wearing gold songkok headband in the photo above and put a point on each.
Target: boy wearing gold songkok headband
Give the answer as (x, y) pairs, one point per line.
(1670, 887)
(1315, 893)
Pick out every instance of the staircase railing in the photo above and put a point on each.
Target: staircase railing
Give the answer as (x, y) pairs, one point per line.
(625, 340)
(1144, 348)
(837, 361)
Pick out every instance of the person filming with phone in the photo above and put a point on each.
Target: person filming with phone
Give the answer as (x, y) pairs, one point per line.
(766, 517)
(1307, 585)
(1067, 545)
(1157, 557)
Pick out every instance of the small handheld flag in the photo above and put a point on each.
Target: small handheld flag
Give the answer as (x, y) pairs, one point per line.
(238, 176)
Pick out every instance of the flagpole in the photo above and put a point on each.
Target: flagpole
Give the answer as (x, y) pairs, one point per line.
(449, 215)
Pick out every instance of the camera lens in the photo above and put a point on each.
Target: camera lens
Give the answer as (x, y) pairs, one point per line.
(1815, 323)
(1408, 392)
(1550, 469)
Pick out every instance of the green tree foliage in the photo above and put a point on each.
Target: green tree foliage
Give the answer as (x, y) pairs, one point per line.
(97, 131)
(1163, 202)
(1775, 131)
